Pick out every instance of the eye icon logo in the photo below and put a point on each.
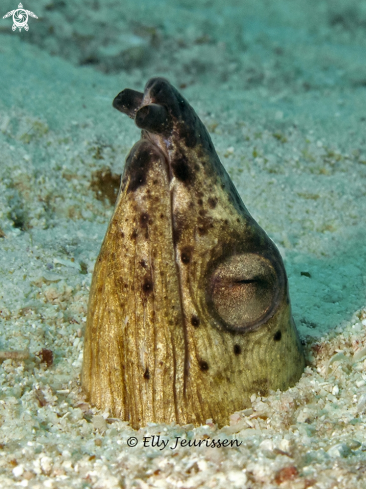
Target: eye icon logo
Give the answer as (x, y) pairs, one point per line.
(20, 18)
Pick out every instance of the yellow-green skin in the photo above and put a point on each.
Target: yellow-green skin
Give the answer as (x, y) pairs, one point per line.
(157, 348)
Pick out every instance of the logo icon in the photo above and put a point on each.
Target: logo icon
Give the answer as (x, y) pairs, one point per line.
(20, 17)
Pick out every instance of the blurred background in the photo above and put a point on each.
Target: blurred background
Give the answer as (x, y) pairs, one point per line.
(280, 85)
(292, 45)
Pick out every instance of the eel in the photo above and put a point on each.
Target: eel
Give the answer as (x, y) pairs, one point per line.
(189, 311)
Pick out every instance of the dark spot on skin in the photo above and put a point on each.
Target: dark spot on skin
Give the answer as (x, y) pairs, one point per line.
(177, 233)
(161, 216)
(144, 219)
(277, 336)
(137, 165)
(186, 255)
(147, 374)
(138, 179)
(143, 263)
(100, 289)
(237, 349)
(181, 170)
(203, 365)
(202, 212)
(212, 202)
(200, 202)
(147, 286)
(204, 225)
(133, 234)
(178, 225)
(122, 234)
(195, 321)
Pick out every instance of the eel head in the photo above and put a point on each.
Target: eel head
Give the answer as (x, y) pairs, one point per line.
(189, 312)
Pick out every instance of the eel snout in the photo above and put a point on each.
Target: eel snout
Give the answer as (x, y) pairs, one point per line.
(128, 102)
(149, 116)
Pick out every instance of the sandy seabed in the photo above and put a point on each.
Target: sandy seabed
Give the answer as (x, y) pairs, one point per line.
(282, 89)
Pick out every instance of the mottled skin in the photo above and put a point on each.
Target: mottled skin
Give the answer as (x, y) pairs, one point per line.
(189, 311)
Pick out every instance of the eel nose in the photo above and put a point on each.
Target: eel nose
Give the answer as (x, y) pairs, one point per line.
(153, 118)
(128, 101)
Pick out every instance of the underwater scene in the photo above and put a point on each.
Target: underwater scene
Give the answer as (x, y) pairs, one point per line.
(183, 244)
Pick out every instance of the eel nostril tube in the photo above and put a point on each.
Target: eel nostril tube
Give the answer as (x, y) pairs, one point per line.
(153, 118)
(128, 101)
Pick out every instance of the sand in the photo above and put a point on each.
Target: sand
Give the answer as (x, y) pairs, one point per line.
(282, 89)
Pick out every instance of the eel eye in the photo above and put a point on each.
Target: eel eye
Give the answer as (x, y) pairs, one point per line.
(245, 290)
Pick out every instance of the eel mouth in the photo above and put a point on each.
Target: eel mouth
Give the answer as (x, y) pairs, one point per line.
(156, 126)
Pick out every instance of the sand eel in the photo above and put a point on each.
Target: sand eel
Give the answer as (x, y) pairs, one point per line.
(189, 311)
